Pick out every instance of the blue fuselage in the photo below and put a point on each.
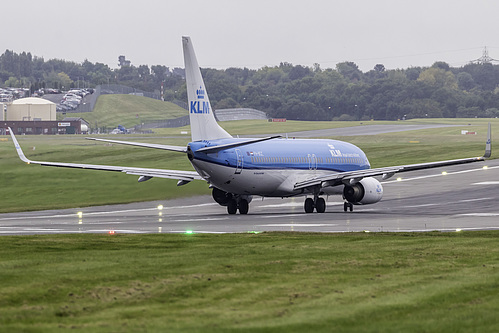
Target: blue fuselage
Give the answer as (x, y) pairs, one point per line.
(277, 164)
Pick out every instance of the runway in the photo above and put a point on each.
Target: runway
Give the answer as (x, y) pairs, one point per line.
(463, 199)
(360, 130)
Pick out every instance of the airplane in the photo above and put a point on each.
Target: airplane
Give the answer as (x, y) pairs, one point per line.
(237, 169)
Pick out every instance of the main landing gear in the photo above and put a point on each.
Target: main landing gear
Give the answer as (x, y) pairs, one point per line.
(318, 203)
(232, 201)
(233, 205)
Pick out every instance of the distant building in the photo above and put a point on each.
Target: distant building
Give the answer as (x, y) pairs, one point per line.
(84, 125)
(37, 116)
(3, 109)
(31, 109)
(123, 62)
(38, 127)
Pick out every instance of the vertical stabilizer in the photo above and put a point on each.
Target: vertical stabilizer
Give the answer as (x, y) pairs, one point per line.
(203, 123)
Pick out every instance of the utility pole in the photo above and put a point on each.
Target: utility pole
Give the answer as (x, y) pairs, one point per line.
(485, 58)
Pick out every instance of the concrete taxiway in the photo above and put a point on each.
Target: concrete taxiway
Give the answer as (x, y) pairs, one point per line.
(463, 198)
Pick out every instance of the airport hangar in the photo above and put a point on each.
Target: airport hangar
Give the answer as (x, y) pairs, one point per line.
(34, 115)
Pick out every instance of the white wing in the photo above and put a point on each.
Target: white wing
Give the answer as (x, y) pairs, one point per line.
(353, 177)
(144, 173)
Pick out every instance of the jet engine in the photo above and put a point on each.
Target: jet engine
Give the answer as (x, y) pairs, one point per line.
(221, 197)
(366, 191)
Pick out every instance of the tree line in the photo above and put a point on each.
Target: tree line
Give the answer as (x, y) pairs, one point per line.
(290, 91)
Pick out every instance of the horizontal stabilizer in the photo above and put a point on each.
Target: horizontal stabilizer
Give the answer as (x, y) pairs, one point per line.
(144, 145)
(214, 149)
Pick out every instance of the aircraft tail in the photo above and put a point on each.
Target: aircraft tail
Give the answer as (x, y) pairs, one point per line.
(203, 123)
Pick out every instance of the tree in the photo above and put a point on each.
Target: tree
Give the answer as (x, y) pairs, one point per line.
(413, 73)
(380, 68)
(349, 70)
(465, 81)
(437, 78)
(64, 80)
(13, 82)
(299, 72)
(441, 65)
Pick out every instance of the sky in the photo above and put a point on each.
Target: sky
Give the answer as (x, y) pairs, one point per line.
(254, 33)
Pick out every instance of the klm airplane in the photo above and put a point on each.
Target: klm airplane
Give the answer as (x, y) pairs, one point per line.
(238, 169)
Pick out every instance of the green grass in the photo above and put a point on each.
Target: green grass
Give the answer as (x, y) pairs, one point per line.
(270, 282)
(113, 110)
(35, 187)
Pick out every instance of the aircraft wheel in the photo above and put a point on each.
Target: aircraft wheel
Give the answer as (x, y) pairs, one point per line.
(320, 205)
(243, 206)
(347, 206)
(232, 206)
(309, 205)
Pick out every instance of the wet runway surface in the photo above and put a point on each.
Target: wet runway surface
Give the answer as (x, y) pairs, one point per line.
(465, 198)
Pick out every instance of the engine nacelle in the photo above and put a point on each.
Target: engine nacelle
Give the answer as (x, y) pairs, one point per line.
(367, 191)
(221, 197)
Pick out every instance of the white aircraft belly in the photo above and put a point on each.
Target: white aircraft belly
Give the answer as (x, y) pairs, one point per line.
(272, 183)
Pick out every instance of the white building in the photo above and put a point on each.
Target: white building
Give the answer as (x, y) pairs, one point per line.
(31, 109)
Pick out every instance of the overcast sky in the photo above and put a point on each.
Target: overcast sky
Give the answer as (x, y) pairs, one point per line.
(254, 33)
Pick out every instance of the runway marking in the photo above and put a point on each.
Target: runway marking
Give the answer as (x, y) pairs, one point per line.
(295, 204)
(487, 183)
(443, 203)
(198, 220)
(297, 225)
(116, 231)
(478, 199)
(286, 204)
(37, 230)
(284, 215)
(425, 205)
(439, 175)
(199, 232)
(101, 213)
(479, 214)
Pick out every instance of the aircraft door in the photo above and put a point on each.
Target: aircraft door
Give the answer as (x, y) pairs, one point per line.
(239, 162)
(312, 162)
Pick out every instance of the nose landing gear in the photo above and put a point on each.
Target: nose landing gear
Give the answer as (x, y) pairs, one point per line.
(348, 206)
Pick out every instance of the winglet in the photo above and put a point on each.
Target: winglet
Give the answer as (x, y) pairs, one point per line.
(488, 145)
(18, 147)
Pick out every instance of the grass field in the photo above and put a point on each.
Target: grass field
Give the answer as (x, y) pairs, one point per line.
(127, 110)
(34, 187)
(269, 282)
